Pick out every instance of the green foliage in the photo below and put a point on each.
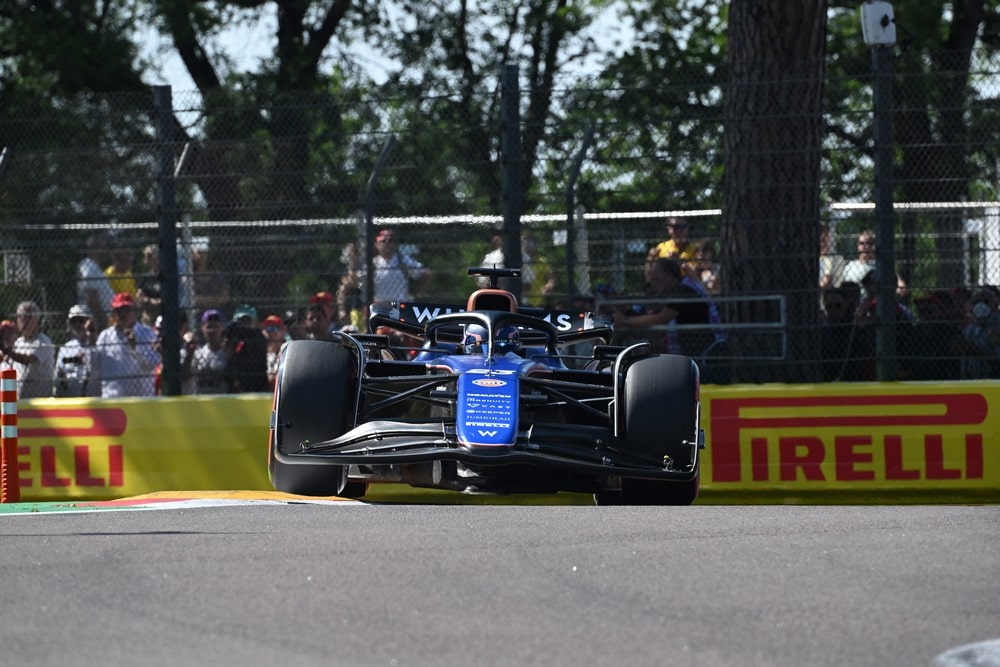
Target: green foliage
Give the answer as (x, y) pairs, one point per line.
(300, 136)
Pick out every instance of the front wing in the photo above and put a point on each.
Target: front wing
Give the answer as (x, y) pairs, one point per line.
(570, 448)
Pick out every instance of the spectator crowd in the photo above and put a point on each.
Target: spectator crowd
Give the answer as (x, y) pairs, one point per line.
(113, 342)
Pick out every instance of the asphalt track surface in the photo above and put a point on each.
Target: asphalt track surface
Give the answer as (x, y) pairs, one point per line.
(349, 584)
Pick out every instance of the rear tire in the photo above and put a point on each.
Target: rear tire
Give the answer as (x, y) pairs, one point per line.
(660, 421)
(314, 399)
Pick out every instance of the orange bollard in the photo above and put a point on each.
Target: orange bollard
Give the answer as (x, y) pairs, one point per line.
(10, 483)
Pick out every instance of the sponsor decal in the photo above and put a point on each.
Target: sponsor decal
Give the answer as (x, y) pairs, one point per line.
(424, 313)
(421, 313)
(72, 422)
(856, 438)
(562, 321)
(47, 465)
(489, 382)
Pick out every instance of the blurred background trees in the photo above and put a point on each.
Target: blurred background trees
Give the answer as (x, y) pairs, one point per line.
(759, 108)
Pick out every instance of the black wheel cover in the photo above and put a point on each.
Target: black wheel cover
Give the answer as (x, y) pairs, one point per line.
(314, 398)
(661, 403)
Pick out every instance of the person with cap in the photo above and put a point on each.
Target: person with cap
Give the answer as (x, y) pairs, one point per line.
(324, 299)
(74, 363)
(294, 321)
(678, 246)
(397, 275)
(319, 316)
(32, 355)
(246, 348)
(209, 368)
(245, 315)
(126, 356)
(295, 328)
(274, 332)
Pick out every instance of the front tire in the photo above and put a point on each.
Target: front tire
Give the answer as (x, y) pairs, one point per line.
(660, 395)
(314, 400)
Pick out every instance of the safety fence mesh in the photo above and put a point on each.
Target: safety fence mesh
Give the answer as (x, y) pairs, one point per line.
(274, 200)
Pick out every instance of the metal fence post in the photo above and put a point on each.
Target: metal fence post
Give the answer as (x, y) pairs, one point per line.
(885, 266)
(571, 259)
(167, 239)
(510, 146)
(581, 251)
(367, 210)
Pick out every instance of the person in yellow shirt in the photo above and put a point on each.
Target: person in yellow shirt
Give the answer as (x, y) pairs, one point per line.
(678, 247)
(119, 273)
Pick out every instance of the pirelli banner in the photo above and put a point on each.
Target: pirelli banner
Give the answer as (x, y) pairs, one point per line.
(888, 443)
(833, 443)
(112, 448)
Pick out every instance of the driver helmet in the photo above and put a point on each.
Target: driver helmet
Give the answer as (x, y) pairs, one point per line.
(475, 338)
(508, 339)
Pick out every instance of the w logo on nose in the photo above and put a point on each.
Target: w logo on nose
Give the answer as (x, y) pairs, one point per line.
(488, 434)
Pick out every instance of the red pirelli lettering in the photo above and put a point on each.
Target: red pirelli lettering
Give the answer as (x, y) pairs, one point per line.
(116, 467)
(800, 453)
(974, 456)
(894, 468)
(48, 465)
(81, 467)
(853, 455)
(850, 452)
(52, 477)
(93, 422)
(934, 455)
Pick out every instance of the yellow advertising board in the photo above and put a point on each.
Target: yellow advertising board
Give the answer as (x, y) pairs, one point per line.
(113, 448)
(905, 442)
(877, 443)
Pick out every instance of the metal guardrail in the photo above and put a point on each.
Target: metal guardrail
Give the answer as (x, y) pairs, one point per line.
(774, 331)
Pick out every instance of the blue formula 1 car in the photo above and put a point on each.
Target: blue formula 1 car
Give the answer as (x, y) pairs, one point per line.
(487, 399)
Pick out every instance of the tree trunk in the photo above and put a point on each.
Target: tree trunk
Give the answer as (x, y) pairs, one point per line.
(771, 204)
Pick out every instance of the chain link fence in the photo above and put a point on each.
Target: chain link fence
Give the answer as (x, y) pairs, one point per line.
(267, 202)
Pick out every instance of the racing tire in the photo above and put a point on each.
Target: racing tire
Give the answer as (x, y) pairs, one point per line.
(660, 420)
(650, 492)
(314, 397)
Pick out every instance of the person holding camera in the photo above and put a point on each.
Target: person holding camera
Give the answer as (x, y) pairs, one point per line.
(246, 351)
(74, 366)
(125, 356)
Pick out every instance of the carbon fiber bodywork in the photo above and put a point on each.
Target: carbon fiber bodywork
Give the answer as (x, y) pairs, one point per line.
(488, 416)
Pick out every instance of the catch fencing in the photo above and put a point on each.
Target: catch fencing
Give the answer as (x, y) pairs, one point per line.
(275, 196)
